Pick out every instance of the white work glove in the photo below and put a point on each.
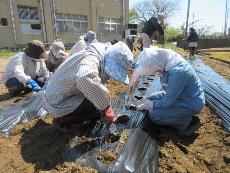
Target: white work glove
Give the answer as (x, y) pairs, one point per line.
(146, 105)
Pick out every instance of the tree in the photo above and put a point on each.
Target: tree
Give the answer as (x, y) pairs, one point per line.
(204, 31)
(171, 34)
(149, 8)
(133, 16)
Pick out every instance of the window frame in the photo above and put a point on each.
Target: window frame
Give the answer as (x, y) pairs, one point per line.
(108, 21)
(29, 9)
(73, 19)
(6, 22)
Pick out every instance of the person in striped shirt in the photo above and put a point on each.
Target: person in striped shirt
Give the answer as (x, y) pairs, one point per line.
(76, 92)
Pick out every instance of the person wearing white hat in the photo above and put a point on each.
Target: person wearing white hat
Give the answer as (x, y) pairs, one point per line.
(26, 70)
(182, 96)
(76, 91)
(56, 55)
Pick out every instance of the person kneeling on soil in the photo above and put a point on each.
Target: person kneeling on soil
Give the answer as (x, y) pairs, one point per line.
(56, 55)
(27, 70)
(182, 96)
(76, 91)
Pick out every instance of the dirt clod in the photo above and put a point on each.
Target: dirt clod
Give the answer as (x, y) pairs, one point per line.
(107, 157)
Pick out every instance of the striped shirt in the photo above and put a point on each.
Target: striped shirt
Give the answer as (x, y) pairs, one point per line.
(78, 77)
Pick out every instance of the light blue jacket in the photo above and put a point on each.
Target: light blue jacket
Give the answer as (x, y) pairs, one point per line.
(182, 87)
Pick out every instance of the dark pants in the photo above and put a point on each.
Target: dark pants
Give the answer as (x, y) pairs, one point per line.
(86, 111)
(192, 51)
(15, 87)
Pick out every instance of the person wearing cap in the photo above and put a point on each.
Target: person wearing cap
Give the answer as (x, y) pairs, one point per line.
(76, 92)
(27, 70)
(182, 96)
(90, 37)
(80, 45)
(152, 25)
(56, 55)
(192, 41)
(83, 42)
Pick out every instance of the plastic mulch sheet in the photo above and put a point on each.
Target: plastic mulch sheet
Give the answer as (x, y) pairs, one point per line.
(25, 110)
(124, 147)
(217, 90)
(134, 150)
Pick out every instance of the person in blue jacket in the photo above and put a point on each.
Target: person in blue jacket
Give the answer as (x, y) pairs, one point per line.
(192, 41)
(181, 97)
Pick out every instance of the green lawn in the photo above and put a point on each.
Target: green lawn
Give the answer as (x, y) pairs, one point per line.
(4, 54)
(225, 56)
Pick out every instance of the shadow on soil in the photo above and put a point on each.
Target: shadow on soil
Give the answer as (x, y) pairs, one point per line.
(42, 144)
(5, 96)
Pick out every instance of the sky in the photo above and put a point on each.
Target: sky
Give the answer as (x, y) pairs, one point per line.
(208, 12)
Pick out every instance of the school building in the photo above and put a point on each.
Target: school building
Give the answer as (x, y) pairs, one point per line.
(47, 20)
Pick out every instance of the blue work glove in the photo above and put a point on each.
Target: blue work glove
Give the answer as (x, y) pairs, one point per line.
(33, 85)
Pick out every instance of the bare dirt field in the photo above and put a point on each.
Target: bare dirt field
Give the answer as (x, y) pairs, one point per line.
(36, 146)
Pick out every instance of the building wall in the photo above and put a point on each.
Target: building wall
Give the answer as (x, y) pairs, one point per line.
(6, 33)
(93, 9)
(22, 38)
(109, 9)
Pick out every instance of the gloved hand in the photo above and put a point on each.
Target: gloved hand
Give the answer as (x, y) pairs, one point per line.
(33, 85)
(146, 105)
(108, 115)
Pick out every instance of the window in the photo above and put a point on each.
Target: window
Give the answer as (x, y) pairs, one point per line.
(71, 23)
(30, 29)
(28, 13)
(109, 26)
(3, 22)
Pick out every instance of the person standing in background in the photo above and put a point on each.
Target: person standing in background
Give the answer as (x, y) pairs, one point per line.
(152, 25)
(192, 41)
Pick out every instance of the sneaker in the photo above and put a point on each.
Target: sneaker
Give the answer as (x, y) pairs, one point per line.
(192, 128)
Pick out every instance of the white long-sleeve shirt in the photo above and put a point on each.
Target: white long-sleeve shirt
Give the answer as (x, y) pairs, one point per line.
(24, 68)
(76, 78)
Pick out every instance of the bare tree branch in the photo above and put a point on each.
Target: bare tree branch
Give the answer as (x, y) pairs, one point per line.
(149, 8)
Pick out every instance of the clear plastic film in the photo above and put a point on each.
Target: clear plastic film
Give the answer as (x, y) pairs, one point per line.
(216, 88)
(27, 109)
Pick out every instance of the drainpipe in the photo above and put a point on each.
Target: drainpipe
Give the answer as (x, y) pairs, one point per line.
(123, 13)
(123, 18)
(43, 21)
(13, 21)
(53, 8)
